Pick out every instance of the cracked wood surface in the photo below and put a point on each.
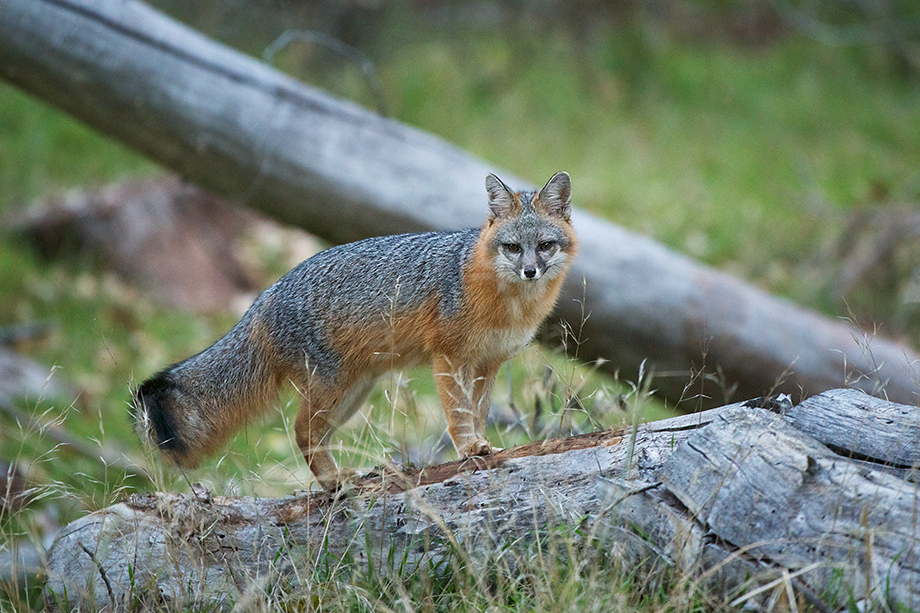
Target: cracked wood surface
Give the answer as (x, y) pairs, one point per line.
(732, 497)
(789, 501)
(236, 126)
(867, 428)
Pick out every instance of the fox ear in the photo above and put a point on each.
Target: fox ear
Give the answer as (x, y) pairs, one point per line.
(501, 199)
(556, 195)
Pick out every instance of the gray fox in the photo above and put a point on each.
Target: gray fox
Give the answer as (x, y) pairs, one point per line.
(464, 301)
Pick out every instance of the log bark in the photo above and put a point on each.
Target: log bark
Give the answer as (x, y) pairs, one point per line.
(731, 498)
(236, 126)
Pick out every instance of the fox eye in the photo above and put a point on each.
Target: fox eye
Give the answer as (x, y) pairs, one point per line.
(546, 245)
(512, 247)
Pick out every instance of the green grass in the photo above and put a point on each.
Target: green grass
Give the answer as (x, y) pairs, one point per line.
(704, 141)
(547, 575)
(718, 151)
(43, 151)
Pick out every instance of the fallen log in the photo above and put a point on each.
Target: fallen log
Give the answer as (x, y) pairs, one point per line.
(731, 498)
(236, 126)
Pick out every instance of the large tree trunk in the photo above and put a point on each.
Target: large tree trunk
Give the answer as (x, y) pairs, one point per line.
(733, 498)
(235, 125)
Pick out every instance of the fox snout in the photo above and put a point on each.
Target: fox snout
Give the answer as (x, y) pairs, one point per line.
(531, 268)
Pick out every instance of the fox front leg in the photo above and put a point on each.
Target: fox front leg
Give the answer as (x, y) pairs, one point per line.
(455, 389)
(482, 398)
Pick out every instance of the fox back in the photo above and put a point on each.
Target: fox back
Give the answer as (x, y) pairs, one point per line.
(464, 301)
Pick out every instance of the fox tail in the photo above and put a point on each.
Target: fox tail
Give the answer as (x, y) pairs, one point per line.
(191, 408)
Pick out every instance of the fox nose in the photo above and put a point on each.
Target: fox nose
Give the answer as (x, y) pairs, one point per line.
(530, 272)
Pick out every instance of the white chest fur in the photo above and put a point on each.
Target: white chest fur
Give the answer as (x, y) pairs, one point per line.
(502, 343)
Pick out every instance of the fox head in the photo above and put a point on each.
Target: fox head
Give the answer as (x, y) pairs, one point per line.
(531, 237)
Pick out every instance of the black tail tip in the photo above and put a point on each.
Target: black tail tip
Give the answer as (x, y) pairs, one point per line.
(154, 406)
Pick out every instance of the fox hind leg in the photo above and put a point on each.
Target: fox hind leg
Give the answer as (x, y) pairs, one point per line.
(320, 414)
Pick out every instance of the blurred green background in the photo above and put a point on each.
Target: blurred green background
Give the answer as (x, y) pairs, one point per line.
(779, 141)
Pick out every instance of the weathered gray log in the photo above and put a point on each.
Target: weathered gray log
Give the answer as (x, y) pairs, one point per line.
(869, 428)
(235, 125)
(731, 498)
(777, 495)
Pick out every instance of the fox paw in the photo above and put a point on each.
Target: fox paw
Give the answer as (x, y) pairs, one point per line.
(478, 447)
(341, 479)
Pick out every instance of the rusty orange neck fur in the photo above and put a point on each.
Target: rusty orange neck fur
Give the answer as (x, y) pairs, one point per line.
(504, 304)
